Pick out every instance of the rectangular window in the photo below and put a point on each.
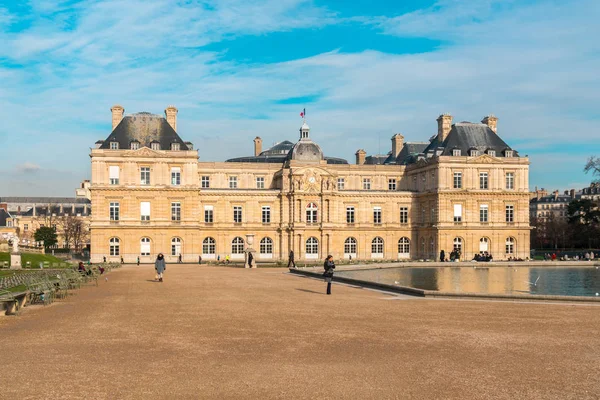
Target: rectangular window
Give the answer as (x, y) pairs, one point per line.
(483, 213)
(260, 182)
(114, 145)
(510, 180)
(483, 180)
(175, 146)
(233, 182)
(114, 211)
(492, 153)
(341, 183)
(176, 211)
(266, 215)
(456, 152)
(350, 215)
(391, 184)
(25, 227)
(458, 213)
(237, 214)
(510, 213)
(176, 176)
(458, 180)
(208, 214)
(404, 215)
(113, 173)
(377, 215)
(508, 153)
(205, 182)
(145, 210)
(145, 175)
(366, 184)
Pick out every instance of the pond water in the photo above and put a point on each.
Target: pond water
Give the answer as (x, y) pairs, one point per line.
(515, 279)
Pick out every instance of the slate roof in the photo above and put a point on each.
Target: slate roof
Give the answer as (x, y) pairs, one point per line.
(465, 136)
(45, 200)
(4, 215)
(279, 154)
(408, 154)
(145, 128)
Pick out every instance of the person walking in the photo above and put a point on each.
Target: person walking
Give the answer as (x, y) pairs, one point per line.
(122, 262)
(291, 263)
(199, 260)
(160, 266)
(329, 266)
(138, 261)
(227, 259)
(442, 256)
(179, 259)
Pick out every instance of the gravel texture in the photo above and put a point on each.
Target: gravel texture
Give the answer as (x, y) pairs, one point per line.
(215, 332)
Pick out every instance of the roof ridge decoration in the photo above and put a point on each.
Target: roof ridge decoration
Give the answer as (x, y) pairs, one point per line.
(142, 152)
(484, 159)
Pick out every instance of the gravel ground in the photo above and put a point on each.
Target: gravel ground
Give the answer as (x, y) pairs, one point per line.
(216, 332)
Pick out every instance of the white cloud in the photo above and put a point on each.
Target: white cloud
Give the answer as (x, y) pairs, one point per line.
(27, 168)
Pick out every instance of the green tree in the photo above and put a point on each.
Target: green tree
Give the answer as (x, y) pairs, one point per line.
(584, 220)
(47, 234)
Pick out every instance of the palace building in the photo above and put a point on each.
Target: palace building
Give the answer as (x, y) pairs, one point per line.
(463, 189)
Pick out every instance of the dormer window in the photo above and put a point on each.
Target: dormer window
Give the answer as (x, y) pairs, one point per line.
(508, 153)
(456, 152)
(114, 145)
(135, 145)
(492, 153)
(155, 146)
(175, 146)
(474, 153)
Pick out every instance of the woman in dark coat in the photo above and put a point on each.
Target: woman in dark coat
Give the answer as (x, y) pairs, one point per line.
(160, 266)
(328, 274)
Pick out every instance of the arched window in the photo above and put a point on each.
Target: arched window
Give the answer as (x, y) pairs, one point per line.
(510, 245)
(457, 244)
(432, 247)
(175, 246)
(209, 246)
(114, 245)
(377, 247)
(484, 244)
(423, 246)
(350, 247)
(311, 213)
(312, 246)
(237, 245)
(404, 247)
(145, 246)
(266, 245)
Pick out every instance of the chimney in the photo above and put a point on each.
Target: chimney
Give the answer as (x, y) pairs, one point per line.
(572, 192)
(444, 125)
(491, 121)
(360, 157)
(555, 193)
(257, 146)
(397, 144)
(4, 206)
(117, 115)
(171, 113)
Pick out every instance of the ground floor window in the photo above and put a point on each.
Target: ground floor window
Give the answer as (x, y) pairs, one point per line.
(457, 244)
(266, 246)
(209, 246)
(312, 245)
(350, 246)
(404, 245)
(377, 246)
(114, 246)
(175, 246)
(510, 245)
(237, 245)
(145, 246)
(484, 244)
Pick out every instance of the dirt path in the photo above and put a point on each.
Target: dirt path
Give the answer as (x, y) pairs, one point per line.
(210, 332)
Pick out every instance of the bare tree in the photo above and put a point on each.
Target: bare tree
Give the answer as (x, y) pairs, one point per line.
(593, 165)
(74, 231)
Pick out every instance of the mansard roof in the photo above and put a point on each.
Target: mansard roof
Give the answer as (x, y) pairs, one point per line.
(4, 215)
(279, 153)
(145, 128)
(408, 154)
(465, 136)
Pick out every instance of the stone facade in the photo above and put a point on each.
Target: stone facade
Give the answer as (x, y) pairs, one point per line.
(146, 201)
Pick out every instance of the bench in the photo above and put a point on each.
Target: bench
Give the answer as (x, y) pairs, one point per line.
(13, 302)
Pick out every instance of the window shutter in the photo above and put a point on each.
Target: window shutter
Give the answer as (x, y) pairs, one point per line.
(114, 172)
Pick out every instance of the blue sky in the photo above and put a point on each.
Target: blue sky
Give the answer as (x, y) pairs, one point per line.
(236, 69)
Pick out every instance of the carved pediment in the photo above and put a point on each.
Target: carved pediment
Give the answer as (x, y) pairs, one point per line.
(312, 180)
(143, 152)
(484, 159)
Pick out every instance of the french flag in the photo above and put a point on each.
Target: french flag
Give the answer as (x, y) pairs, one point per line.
(303, 113)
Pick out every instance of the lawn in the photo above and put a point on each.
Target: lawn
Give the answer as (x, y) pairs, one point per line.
(33, 258)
